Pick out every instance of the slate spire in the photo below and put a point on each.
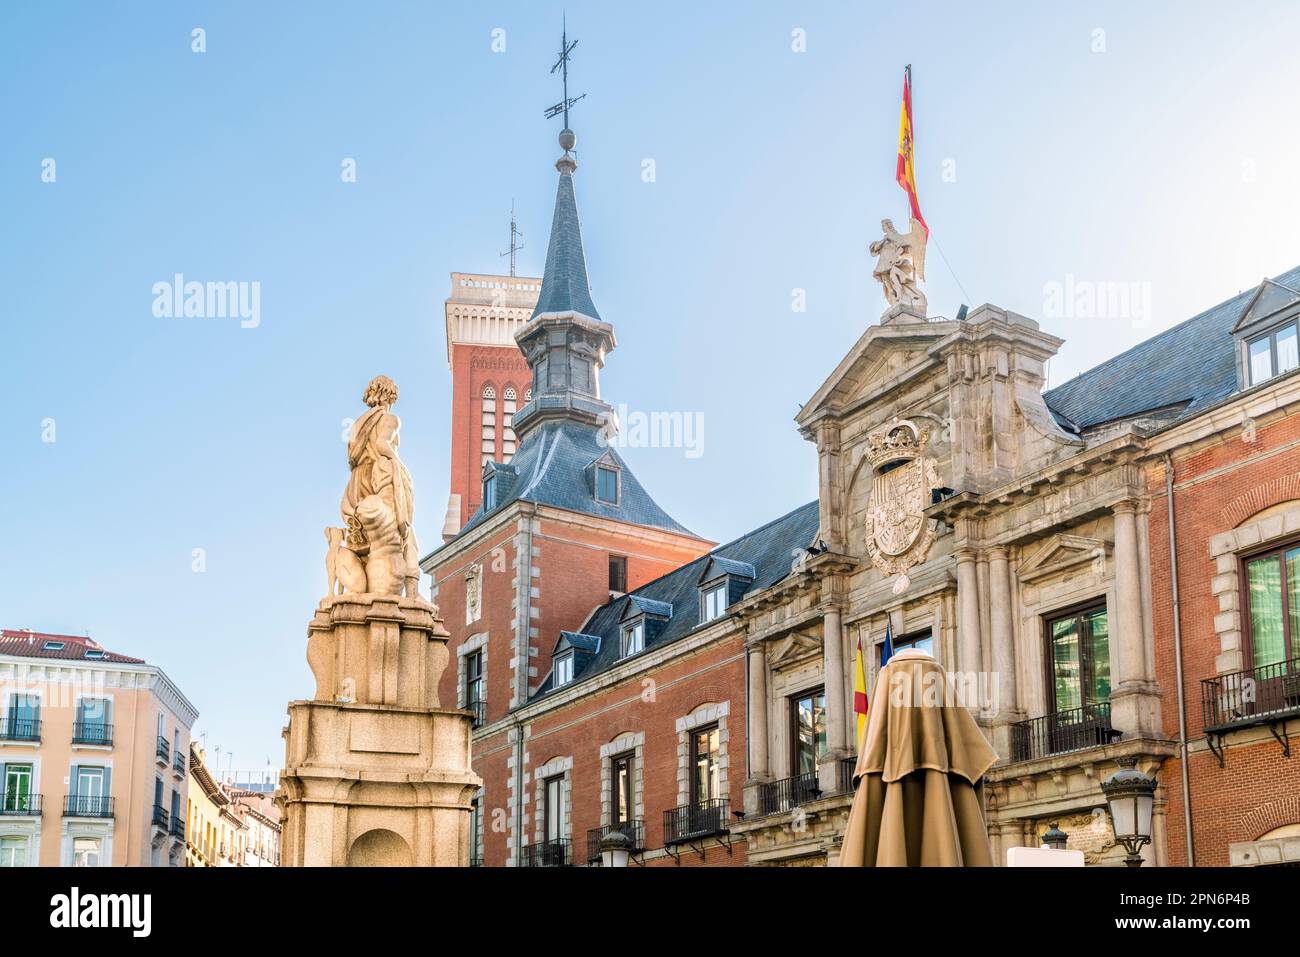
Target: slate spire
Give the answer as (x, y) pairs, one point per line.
(564, 283)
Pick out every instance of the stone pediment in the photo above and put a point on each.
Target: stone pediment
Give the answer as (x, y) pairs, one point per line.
(1270, 298)
(794, 647)
(884, 353)
(1060, 554)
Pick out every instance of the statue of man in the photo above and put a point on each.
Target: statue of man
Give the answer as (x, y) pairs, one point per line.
(378, 473)
(900, 264)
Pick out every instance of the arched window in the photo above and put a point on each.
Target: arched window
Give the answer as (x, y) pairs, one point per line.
(507, 433)
(489, 423)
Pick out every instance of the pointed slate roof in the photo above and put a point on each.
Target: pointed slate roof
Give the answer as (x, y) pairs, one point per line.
(564, 283)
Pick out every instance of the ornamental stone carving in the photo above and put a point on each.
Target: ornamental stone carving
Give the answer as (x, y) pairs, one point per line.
(898, 533)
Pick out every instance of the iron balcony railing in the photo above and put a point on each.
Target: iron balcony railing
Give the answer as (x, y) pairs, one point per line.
(476, 862)
(178, 827)
(87, 805)
(92, 732)
(691, 821)
(20, 804)
(14, 728)
(178, 765)
(553, 853)
(164, 750)
(634, 831)
(779, 796)
(479, 708)
(160, 816)
(844, 768)
(1252, 696)
(1062, 731)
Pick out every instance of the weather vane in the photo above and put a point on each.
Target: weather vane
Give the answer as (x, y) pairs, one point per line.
(562, 64)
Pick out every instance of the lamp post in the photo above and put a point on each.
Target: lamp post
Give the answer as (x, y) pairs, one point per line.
(614, 849)
(1131, 796)
(1054, 838)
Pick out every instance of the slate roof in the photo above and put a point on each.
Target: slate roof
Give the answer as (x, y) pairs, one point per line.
(1192, 365)
(551, 468)
(768, 549)
(564, 283)
(32, 644)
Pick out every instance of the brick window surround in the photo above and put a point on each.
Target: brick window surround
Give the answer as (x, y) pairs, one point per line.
(705, 714)
(623, 744)
(1273, 526)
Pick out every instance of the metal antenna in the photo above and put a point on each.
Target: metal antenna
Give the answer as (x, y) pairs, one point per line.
(515, 246)
(562, 64)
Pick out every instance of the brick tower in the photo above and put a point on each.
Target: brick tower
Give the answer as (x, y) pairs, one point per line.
(489, 380)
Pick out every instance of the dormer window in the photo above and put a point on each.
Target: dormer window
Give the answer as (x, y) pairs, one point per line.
(634, 638)
(562, 670)
(607, 484)
(1273, 353)
(489, 493)
(713, 600)
(52, 646)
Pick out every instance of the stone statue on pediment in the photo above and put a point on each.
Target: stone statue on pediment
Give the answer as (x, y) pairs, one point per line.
(900, 265)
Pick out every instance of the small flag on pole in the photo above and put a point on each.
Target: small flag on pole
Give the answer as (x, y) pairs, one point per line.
(906, 173)
(860, 693)
(887, 651)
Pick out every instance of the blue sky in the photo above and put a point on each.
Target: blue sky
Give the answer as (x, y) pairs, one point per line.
(1158, 154)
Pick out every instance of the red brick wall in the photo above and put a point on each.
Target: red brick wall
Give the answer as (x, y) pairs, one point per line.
(1237, 478)
(473, 368)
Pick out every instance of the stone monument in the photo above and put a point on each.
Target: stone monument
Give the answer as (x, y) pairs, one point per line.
(376, 772)
(900, 268)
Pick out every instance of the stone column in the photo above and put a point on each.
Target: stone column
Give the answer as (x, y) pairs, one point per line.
(1004, 652)
(833, 682)
(1130, 712)
(759, 772)
(968, 614)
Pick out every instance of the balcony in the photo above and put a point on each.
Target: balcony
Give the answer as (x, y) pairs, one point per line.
(1257, 696)
(92, 732)
(14, 804)
(691, 822)
(178, 765)
(160, 817)
(178, 828)
(548, 854)
(164, 751)
(786, 794)
(14, 728)
(634, 831)
(87, 805)
(479, 709)
(1062, 732)
(476, 862)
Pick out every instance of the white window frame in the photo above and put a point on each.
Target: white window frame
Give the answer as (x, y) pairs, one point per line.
(633, 638)
(714, 594)
(563, 670)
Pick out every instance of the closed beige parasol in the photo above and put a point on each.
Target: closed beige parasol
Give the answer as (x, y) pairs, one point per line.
(919, 796)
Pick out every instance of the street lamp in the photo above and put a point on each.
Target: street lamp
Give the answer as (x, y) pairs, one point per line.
(614, 849)
(1054, 838)
(1131, 795)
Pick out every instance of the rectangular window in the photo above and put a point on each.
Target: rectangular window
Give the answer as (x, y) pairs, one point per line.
(607, 484)
(556, 825)
(1273, 597)
(808, 731)
(714, 602)
(1078, 648)
(623, 780)
(475, 686)
(563, 670)
(1273, 354)
(705, 752)
(17, 788)
(489, 493)
(1285, 344)
(617, 573)
(634, 639)
(85, 852)
(13, 852)
(1261, 360)
(921, 641)
(24, 716)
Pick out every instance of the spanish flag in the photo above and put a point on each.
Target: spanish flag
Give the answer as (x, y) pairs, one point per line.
(860, 692)
(906, 173)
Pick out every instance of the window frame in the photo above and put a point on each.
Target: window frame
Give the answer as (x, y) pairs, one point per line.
(475, 678)
(707, 590)
(489, 492)
(1270, 334)
(626, 759)
(1290, 641)
(553, 806)
(564, 661)
(1078, 611)
(634, 627)
(620, 562)
(796, 740)
(609, 470)
(715, 763)
(911, 640)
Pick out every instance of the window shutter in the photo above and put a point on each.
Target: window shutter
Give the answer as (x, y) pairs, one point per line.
(4, 782)
(108, 782)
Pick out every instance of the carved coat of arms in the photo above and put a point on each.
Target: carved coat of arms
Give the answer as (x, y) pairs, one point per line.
(898, 533)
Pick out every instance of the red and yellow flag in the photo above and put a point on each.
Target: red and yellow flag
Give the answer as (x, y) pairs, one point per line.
(906, 174)
(860, 692)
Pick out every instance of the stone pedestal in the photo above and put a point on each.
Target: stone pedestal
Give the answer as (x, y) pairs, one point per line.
(376, 772)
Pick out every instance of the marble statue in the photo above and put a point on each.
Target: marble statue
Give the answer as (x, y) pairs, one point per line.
(900, 265)
(376, 551)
